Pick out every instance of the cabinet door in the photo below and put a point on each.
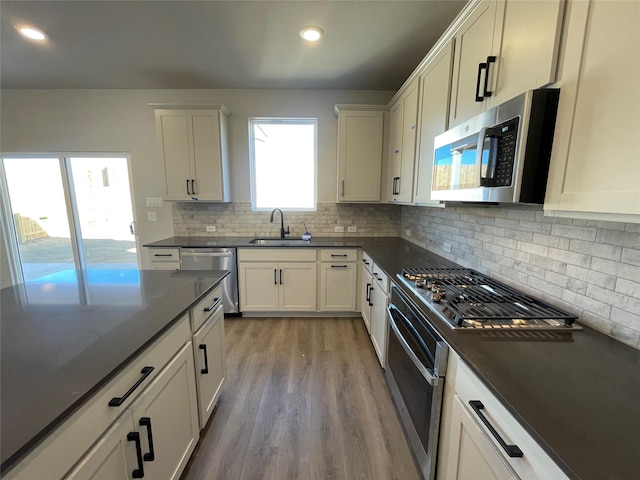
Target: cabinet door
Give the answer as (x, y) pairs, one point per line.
(297, 282)
(529, 48)
(204, 145)
(360, 136)
(166, 415)
(394, 160)
(367, 281)
(379, 322)
(210, 363)
(171, 127)
(404, 185)
(259, 286)
(473, 44)
(435, 84)
(338, 287)
(113, 456)
(594, 163)
(472, 455)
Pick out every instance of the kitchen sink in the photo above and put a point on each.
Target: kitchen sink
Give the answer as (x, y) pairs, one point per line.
(281, 242)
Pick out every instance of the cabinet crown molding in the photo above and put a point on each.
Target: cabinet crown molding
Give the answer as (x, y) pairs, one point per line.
(355, 106)
(191, 106)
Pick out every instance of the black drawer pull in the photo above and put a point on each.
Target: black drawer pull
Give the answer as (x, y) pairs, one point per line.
(339, 266)
(135, 437)
(216, 301)
(512, 450)
(146, 422)
(364, 260)
(204, 370)
(368, 294)
(340, 255)
(117, 401)
(487, 93)
(193, 187)
(163, 254)
(188, 192)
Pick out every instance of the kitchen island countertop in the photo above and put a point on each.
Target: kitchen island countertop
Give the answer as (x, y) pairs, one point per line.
(578, 397)
(65, 335)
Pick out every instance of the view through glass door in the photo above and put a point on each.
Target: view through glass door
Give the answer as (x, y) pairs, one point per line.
(71, 213)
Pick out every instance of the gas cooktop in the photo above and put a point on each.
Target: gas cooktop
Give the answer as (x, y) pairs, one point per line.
(468, 300)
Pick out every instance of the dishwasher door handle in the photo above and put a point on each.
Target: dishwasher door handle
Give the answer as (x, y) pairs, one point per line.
(209, 254)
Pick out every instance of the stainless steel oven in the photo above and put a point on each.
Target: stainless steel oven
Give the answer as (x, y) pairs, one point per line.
(415, 369)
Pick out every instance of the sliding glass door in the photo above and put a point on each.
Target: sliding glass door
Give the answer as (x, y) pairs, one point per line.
(68, 213)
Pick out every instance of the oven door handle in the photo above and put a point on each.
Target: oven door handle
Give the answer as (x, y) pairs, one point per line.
(426, 373)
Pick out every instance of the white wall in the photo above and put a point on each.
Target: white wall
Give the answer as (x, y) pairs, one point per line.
(122, 121)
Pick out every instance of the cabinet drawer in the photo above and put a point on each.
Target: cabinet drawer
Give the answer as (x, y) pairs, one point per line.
(380, 277)
(277, 254)
(164, 255)
(339, 254)
(57, 453)
(534, 463)
(367, 262)
(205, 308)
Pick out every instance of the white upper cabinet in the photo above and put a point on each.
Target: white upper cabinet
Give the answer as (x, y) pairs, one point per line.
(595, 162)
(360, 149)
(435, 81)
(502, 49)
(194, 146)
(403, 125)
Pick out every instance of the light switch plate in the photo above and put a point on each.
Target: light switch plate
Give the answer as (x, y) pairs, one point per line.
(152, 216)
(447, 247)
(352, 228)
(154, 202)
(211, 228)
(339, 229)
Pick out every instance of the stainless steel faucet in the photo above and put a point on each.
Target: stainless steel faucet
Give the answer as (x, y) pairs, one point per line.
(283, 232)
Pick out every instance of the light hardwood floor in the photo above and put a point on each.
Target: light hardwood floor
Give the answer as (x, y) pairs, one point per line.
(305, 398)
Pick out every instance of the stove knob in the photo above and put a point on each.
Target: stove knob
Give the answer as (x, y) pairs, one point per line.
(436, 297)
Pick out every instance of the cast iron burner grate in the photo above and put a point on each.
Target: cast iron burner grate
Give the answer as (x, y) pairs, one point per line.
(472, 297)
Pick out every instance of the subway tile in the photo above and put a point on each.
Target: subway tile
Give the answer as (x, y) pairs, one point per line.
(545, 287)
(569, 257)
(551, 241)
(596, 249)
(630, 256)
(615, 237)
(617, 269)
(549, 264)
(535, 249)
(516, 214)
(629, 288)
(590, 276)
(572, 231)
(618, 300)
(535, 227)
(587, 303)
(628, 335)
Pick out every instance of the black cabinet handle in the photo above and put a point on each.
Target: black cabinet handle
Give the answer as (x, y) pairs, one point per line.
(368, 294)
(512, 450)
(343, 188)
(491, 59)
(280, 276)
(146, 422)
(135, 437)
(163, 254)
(117, 401)
(481, 66)
(339, 266)
(188, 193)
(275, 276)
(339, 255)
(365, 261)
(193, 186)
(204, 370)
(216, 301)
(370, 297)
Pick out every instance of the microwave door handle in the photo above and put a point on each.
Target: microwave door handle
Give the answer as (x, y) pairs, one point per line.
(479, 150)
(493, 159)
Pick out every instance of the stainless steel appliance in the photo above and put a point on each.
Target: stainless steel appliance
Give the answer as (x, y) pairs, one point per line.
(415, 369)
(501, 155)
(216, 259)
(467, 300)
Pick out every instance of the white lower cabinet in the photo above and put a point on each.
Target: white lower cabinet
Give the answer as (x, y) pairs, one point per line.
(338, 280)
(365, 295)
(114, 456)
(379, 296)
(210, 363)
(166, 417)
(468, 448)
(164, 258)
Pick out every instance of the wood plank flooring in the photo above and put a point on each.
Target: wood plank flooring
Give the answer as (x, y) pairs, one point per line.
(305, 398)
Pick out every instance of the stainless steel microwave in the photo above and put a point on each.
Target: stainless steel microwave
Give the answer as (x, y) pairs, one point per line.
(499, 156)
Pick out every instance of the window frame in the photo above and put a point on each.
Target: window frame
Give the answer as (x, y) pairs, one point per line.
(252, 172)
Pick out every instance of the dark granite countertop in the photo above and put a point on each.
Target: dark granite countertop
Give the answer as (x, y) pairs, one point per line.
(579, 399)
(203, 242)
(66, 335)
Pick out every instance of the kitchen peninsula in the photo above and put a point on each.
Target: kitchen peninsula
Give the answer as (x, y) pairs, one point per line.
(70, 341)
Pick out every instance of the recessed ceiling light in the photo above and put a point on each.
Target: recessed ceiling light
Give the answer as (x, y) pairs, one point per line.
(32, 33)
(311, 34)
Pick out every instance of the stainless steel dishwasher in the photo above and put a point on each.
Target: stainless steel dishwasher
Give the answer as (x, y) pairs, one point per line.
(216, 259)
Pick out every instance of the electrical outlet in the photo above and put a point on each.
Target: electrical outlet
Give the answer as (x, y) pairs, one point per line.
(407, 232)
(152, 216)
(352, 229)
(339, 229)
(447, 247)
(154, 202)
(211, 228)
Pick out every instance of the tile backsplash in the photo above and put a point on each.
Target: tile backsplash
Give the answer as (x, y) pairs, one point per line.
(589, 268)
(238, 220)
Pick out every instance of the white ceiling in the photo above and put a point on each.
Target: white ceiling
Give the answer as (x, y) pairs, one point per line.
(368, 45)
